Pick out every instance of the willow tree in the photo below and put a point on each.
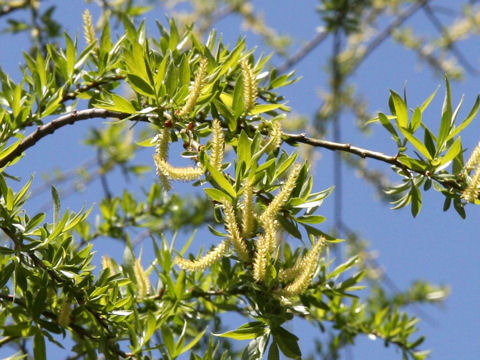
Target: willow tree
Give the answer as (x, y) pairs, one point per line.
(211, 116)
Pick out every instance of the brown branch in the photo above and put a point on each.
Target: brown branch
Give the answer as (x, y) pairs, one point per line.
(364, 153)
(52, 126)
(75, 116)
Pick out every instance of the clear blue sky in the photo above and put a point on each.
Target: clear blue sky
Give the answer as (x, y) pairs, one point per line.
(436, 246)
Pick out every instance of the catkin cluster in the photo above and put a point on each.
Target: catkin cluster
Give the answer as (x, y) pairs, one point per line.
(472, 190)
(167, 172)
(297, 278)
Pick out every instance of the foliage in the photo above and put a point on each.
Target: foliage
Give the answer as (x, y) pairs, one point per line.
(223, 106)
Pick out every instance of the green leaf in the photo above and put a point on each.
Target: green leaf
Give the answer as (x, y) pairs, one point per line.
(387, 125)
(247, 331)
(167, 338)
(273, 353)
(70, 54)
(221, 180)
(429, 100)
(117, 103)
(287, 342)
(237, 101)
(416, 199)
(416, 119)
(310, 219)
(468, 119)
(413, 164)
(452, 152)
(140, 86)
(401, 110)
(218, 195)
(20, 196)
(343, 267)
(263, 108)
(417, 143)
(39, 350)
(150, 329)
(56, 205)
(243, 149)
(192, 343)
(290, 227)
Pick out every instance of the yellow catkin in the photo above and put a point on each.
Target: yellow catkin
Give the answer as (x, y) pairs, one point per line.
(275, 134)
(107, 263)
(218, 144)
(248, 215)
(285, 275)
(188, 173)
(304, 275)
(161, 151)
(232, 228)
(249, 86)
(261, 259)
(64, 315)
(88, 29)
(278, 201)
(195, 89)
(472, 191)
(271, 234)
(474, 160)
(142, 280)
(208, 260)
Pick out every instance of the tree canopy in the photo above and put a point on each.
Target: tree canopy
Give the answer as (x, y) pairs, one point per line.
(230, 168)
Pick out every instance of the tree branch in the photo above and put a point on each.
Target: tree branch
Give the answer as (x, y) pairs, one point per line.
(451, 44)
(75, 116)
(385, 34)
(302, 52)
(52, 126)
(363, 153)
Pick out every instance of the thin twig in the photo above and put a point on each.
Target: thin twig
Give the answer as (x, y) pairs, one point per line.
(103, 175)
(385, 34)
(93, 85)
(303, 52)
(451, 44)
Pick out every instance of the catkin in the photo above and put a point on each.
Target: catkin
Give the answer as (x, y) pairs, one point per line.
(249, 86)
(88, 29)
(218, 144)
(302, 272)
(208, 260)
(233, 231)
(195, 89)
(277, 202)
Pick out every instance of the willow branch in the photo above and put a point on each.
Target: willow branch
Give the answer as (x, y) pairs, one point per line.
(75, 116)
(385, 34)
(451, 43)
(303, 52)
(56, 124)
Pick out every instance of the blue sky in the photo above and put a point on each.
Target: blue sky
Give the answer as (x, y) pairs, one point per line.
(436, 246)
